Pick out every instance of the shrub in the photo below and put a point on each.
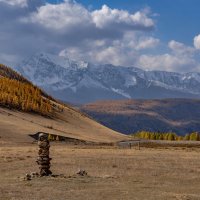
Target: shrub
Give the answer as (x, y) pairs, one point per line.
(194, 136)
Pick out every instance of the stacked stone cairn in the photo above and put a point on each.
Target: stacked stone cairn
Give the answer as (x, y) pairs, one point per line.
(43, 155)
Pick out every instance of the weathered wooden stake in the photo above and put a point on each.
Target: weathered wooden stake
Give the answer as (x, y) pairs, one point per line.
(139, 145)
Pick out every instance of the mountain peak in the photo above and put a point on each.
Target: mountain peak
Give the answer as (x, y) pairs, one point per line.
(81, 82)
(62, 61)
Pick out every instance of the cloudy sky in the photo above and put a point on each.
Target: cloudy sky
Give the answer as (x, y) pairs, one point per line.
(150, 34)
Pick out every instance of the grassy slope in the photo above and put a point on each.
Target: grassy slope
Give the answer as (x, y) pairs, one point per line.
(127, 116)
(15, 126)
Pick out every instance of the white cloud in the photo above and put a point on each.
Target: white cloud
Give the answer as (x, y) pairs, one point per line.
(182, 58)
(180, 48)
(118, 52)
(69, 14)
(20, 3)
(109, 18)
(146, 43)
(104, 36)
(59, 16)
(101, 52)
(197, 41)
(166, 62)
(100, 36)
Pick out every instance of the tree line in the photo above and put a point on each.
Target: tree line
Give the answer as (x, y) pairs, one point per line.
(23, 96)
(7, 72)
(195, 136)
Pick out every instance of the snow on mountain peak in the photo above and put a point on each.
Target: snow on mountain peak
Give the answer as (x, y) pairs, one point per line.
(68, 79)
(58, 60)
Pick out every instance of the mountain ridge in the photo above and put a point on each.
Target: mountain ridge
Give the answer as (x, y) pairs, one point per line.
(129, 116)
(83, 82)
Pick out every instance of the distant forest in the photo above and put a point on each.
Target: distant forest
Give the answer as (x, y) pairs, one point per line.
(195, 136)
(18, 93)
(23, 96)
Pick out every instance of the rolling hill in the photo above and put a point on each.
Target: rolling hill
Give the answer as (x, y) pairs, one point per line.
(128, 116)
(17, 123)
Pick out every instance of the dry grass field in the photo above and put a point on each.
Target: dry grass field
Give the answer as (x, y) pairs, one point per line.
(113, 173)
(15, 126)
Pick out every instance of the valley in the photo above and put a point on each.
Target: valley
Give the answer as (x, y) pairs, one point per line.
(129, 116)
(99, 100)
(113, 171)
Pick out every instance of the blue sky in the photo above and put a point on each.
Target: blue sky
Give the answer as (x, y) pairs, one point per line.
(150, 34)
(178, 19)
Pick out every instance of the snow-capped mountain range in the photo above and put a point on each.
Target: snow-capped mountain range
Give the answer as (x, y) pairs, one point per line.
(83, 82)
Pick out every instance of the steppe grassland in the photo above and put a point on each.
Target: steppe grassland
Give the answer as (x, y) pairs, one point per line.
(113, 173)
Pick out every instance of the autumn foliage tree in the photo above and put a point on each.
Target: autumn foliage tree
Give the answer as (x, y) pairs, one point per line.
(23, 96)
(195, 136)
(7, 72)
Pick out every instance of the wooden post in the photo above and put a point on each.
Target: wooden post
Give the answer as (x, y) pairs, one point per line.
(138, 145)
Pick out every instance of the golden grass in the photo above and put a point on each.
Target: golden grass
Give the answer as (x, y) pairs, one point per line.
(117, 174)
(16, 126)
